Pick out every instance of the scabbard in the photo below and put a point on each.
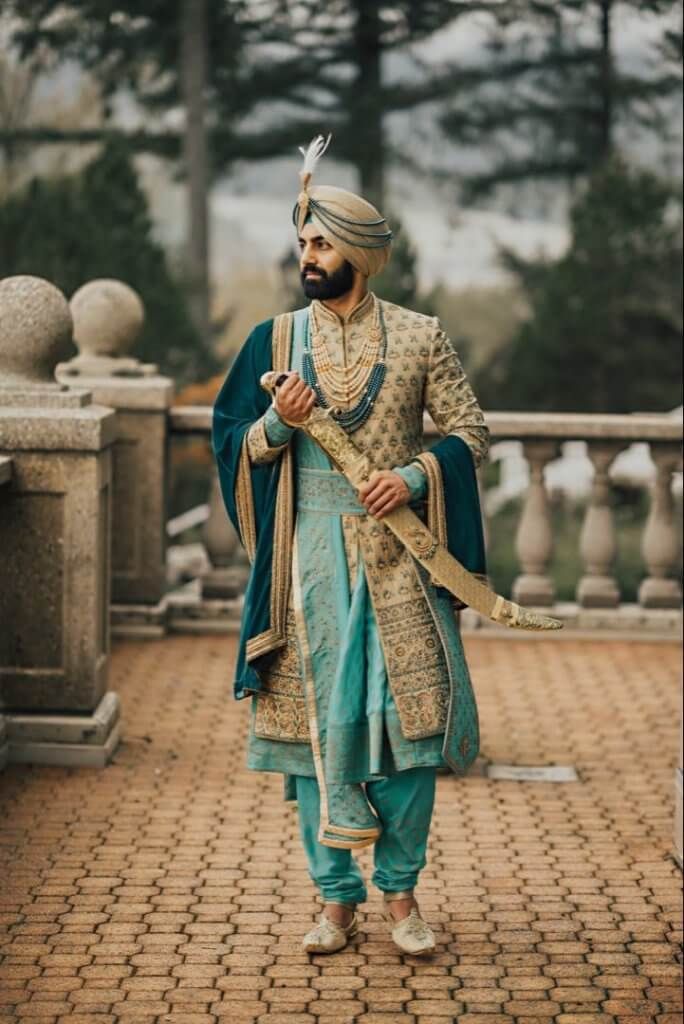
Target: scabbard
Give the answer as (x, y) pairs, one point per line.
(414, 534)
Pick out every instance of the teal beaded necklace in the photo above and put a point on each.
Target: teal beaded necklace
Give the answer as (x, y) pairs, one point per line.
(349, 419)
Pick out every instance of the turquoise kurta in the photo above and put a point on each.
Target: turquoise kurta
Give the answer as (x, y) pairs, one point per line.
(357, 715)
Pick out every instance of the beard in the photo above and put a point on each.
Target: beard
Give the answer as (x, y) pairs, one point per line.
(329, 286)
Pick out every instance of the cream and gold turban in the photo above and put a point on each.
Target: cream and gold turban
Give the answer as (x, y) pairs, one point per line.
(349, 223)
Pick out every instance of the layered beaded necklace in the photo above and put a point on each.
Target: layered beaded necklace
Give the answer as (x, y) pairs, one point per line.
(336, 387)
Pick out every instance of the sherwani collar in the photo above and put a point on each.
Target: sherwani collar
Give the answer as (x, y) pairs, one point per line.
(363, 310)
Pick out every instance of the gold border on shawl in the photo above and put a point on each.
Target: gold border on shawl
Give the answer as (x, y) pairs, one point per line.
(244, 502)
(437, 523)
(275, 635)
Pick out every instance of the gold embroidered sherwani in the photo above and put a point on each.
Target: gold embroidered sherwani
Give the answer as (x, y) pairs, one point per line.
(423, 372)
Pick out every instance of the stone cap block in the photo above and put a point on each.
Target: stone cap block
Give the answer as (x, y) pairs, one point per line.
(88, 428)
(142, 393)
(47, 396)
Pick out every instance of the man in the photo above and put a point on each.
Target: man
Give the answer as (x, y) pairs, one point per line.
(353, 657)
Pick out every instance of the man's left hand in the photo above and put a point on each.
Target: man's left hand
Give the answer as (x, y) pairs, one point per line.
(384, 491)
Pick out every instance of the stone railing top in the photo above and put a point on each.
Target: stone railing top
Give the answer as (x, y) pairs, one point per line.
(638, 426)
(108, 318)
(142, 392)
(53, 396)
(35, 331)
(196, 419)
(190, 419)
(5, 469)
(74, 428)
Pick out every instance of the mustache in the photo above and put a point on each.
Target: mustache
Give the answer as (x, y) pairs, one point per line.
(315, 270)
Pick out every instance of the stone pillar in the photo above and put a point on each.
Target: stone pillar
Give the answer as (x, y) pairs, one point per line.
(228, 576)
(598, 547)
(55, 534)
(108, 317)
(534, 538)
(660, 543)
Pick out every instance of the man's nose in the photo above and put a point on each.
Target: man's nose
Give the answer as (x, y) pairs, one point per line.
(306, 258)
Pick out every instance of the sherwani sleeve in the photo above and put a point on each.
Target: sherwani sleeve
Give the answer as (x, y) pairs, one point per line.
(453, 506)
(449, 398)
(267, 438)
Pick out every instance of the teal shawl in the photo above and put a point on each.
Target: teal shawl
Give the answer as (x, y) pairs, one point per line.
(240, 402)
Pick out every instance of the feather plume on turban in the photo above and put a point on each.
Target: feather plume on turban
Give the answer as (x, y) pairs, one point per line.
(349, 223)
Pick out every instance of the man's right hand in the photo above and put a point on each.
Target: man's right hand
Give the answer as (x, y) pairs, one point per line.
(293, 400)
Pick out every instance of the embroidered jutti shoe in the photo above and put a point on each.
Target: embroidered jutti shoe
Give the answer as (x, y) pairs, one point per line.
(328, 937)
(411, 934)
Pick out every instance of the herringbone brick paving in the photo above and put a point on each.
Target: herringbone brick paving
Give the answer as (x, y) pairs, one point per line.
(171, 887)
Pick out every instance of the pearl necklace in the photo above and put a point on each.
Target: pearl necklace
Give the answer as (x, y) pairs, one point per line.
(336, 386)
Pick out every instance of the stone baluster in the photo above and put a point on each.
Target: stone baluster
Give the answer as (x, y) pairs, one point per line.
(55, 529)
(228, 576)
(534, 537)
(598, 547)
(108, 317)
(660, 544)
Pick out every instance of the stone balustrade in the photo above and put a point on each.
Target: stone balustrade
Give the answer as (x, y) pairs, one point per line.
(83, 510)
(598, 601)
(606, 436)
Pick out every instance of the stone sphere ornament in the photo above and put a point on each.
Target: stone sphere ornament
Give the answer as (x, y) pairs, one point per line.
(36, 330)
(108, 317)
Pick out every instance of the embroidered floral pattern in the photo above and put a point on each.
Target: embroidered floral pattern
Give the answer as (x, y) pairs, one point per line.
(260, 451)
(423, 370)
(280, 705)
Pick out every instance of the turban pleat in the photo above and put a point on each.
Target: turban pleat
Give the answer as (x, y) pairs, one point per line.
(353, 226)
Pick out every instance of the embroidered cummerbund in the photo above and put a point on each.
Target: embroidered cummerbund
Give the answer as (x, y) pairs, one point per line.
(326, 490)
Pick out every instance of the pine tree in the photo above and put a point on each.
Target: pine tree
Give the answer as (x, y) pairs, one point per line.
(550, 101)
(96, 224)
(605, 334)
(319, 67)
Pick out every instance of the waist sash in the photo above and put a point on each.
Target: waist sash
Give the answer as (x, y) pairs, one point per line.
(326, 490)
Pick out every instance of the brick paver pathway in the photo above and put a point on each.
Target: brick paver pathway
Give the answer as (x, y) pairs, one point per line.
(171, 887)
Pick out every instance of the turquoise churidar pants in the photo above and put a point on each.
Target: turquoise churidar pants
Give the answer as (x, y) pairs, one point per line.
(403, 802)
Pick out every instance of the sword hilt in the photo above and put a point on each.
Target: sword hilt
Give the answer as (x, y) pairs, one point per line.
(272, 380)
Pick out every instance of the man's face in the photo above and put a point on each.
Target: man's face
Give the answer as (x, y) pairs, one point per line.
(325, 274)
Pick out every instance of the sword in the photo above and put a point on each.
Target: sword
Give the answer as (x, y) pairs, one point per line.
(405, 524)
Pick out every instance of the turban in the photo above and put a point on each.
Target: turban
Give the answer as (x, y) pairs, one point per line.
(349, 223)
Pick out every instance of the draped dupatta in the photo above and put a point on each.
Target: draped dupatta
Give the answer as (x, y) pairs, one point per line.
(258, 498)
